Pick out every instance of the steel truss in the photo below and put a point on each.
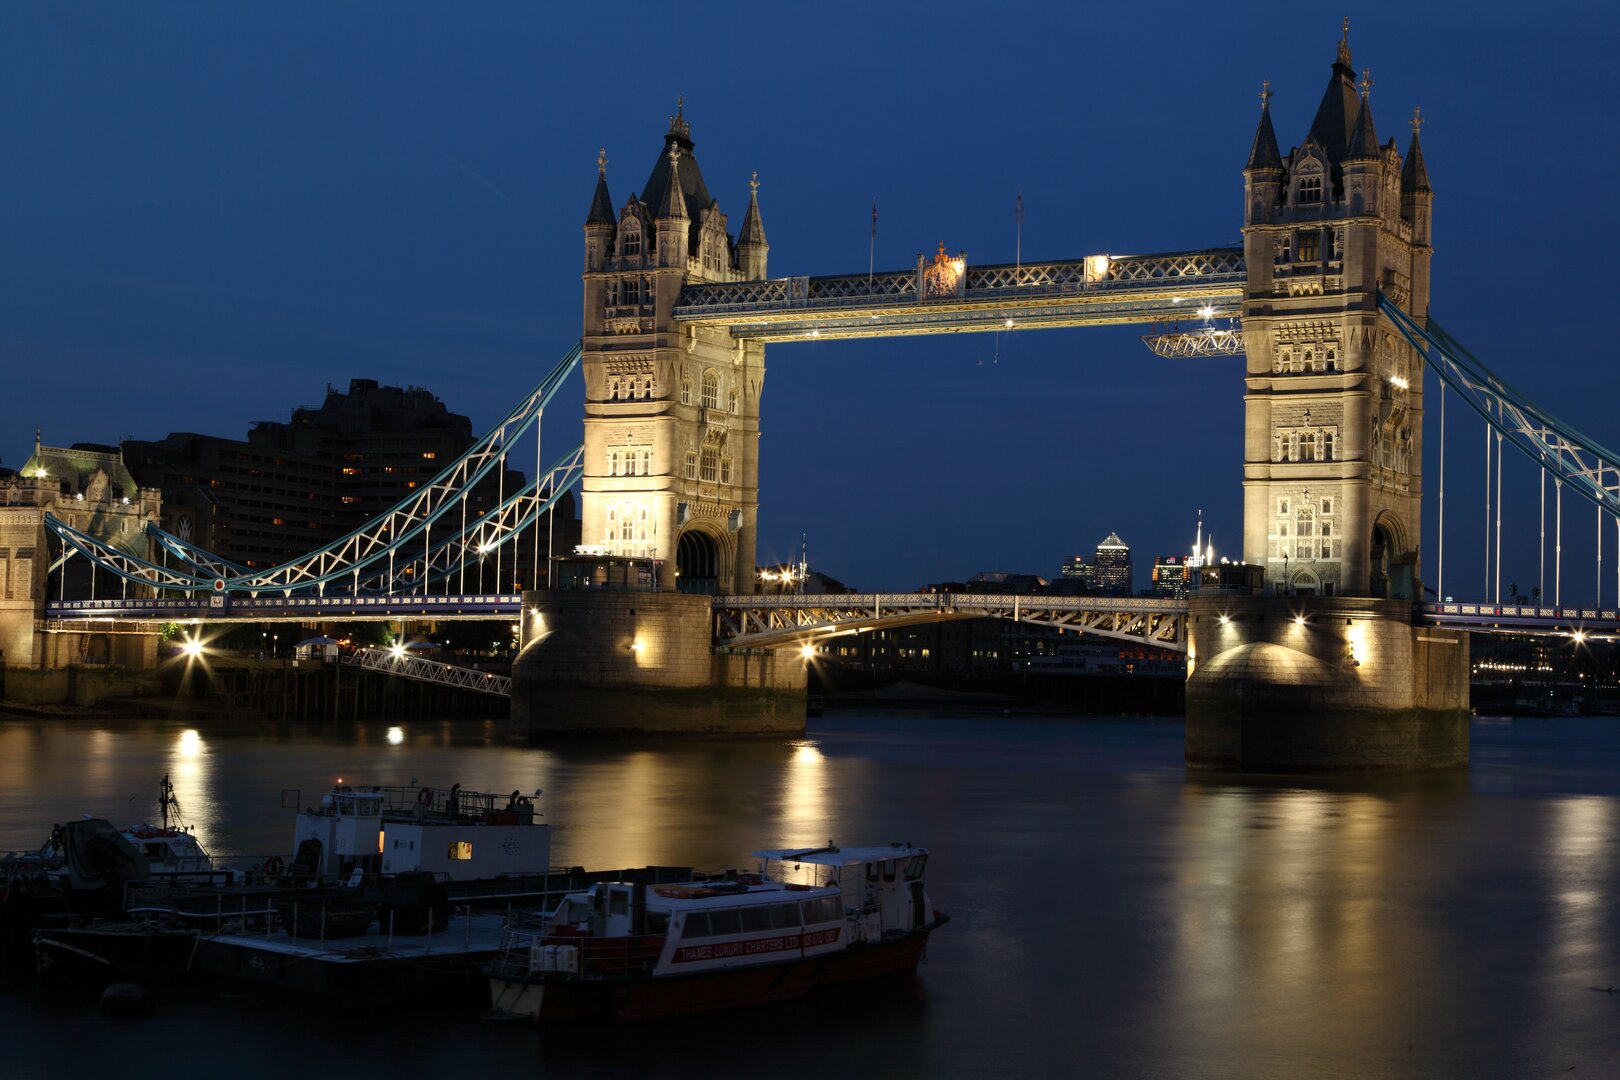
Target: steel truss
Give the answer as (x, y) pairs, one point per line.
(1079, 292)
(776, 620)
(375, 544)
(1585, 465)
(1184, 344)
(433, 671)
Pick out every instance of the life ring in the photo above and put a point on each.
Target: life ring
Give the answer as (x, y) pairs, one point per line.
(272, 866)
(424, 798)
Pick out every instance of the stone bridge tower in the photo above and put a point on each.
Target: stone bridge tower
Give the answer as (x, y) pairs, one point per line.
(1334, 402)
(671, 412)
(1325, 669)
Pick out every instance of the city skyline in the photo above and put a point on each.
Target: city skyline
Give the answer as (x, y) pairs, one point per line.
(205, 223)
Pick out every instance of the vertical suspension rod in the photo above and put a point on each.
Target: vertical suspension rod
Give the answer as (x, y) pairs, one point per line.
(1558, 543)
(1440, 583)
(1487, 508)
(1498, 593)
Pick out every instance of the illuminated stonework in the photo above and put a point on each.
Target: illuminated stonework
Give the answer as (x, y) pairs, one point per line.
(671, 411)
(1334, 402)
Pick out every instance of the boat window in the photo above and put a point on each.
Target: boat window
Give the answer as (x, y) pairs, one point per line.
(156, 851)
(576, 911)
(657, 922)
(726, 921)
(756, 918)
(784, 916)
(888, 869)
(823, 909)
(460, 850)
(697, 924)
(914, 868)
(619, 902)
(871, 871)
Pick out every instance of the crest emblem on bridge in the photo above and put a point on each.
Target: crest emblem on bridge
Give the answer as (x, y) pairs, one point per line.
(944, 277)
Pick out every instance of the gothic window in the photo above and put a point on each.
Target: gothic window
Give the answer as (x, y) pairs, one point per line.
(613, 463)
(1332, 358)
(725, 470)
(731, 401)
(691, 465)
(1308, 362)
(1310, 243)
(1283, 245)
(686, 390)
(1310, 189)
(1282, 529)
(707, 473)
(610, 294)
(1327, 455)
(711, 390)
(645, 464)
(1327, 506)
(1306, 549)
(1324, 528)
(627, 527)
(630, 242)
(1305, 523)
(1282, 507)
(1327, 549)
(1307, 446)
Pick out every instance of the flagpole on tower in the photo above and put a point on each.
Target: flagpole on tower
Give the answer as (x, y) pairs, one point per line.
(871, 250)
(1018, 242)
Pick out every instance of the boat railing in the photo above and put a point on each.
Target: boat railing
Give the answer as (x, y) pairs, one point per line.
(534, 949)
(454, 802)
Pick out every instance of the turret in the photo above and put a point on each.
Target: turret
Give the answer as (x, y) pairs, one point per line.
(673, 222)
(1417, 207)
(599, 222)
(1363, 163)
(751, 245)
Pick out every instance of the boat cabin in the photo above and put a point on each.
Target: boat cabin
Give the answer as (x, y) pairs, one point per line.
(391, 830)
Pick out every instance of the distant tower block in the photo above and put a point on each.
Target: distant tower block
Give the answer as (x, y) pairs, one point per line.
(1334, 407)
(671, 412)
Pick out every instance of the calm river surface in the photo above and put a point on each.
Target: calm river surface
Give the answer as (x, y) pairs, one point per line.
(1112, 915)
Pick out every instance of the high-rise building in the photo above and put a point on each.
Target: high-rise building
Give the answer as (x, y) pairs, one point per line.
(1171, 576)
(290, 488)
(1113, 574)
(1077, 575)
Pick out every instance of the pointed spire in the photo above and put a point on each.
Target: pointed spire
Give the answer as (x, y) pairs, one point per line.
(1335, 116)
(601, 202)
(679, 126)
(753, 229)
(673, 206)
(1263, 154)
(1414, 175)
(1364, 139)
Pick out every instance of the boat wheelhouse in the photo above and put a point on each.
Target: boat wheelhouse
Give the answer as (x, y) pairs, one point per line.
(448, 832)
(808, 918)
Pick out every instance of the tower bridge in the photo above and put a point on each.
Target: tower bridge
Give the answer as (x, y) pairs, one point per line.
(1335, 661)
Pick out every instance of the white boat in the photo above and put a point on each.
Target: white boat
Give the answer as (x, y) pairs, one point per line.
(451, 833)
(810, 917)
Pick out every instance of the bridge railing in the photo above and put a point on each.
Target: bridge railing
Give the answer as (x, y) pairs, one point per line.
(1072, 277)
(432, 671)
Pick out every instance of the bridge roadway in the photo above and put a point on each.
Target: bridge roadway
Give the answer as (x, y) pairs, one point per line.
(948, 296)
(767, 621)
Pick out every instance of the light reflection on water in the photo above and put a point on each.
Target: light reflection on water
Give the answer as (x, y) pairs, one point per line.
(1112, 915)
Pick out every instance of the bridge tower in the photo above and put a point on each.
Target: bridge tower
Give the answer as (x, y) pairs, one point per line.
(671, 474)
(671, 413)
(1334, 404)
(1324, 669)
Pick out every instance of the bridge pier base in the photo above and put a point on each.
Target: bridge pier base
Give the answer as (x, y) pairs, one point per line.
(605, 663)
(1322, 684)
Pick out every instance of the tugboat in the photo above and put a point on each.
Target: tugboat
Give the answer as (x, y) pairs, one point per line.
(809, 918)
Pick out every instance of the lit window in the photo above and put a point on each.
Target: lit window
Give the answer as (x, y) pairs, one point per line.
(1310, 243)
(461, 850)
(429, 455)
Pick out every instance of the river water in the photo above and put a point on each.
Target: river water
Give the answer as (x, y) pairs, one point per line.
(1112, 916)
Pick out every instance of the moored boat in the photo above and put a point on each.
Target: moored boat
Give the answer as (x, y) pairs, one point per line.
(809, 918)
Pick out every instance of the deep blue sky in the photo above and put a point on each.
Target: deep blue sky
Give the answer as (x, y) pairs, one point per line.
(208, 212)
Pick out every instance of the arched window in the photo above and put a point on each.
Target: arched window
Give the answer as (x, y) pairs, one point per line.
(646, 461)
(691, 465)
(1310, 188)
(627, 527)
(725, 470)
(1332, 358)
(613, 463)
(711, 389)
(630, 241)
(1304, 533)
(707, 472)
(686, 390)
(1327, 448)
(731, 401)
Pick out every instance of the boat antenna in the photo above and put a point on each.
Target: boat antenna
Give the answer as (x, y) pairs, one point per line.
(167, 803)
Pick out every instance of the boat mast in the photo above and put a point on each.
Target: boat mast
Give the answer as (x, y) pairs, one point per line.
(167, 802)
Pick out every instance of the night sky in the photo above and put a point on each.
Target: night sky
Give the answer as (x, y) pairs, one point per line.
(210, 212)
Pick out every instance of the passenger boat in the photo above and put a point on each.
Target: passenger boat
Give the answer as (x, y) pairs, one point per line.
(809, 918)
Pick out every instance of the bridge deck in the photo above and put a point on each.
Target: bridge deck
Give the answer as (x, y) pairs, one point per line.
(1093, 291)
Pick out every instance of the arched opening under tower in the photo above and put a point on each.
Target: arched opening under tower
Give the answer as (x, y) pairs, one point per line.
(1391, 571)
(697, 563)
